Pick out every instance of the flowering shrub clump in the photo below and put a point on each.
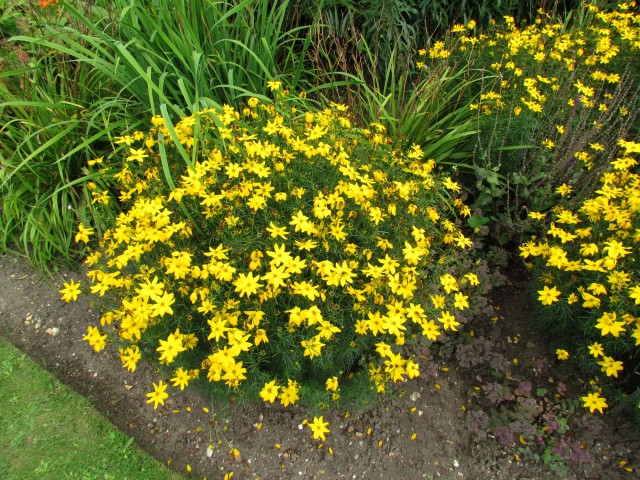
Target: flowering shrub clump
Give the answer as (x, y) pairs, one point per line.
(279, 254)
(551, 97)
(587, 264)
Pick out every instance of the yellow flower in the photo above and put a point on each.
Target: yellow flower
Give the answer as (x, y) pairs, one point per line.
(95, 339)
(137, 155)
(562, 354)
(583, 89)
(269, 392)
(95, 161)
(607, 324)
(430, 330)
(279, 255)
(130, 357)
(412, 369)
(383, 349)
(179, 264)
(260, 337)
(448, 321)
(276, 276)
(394, 323)
(126, 140)
(181, 378)
(635, 294)
(532, 105)
(590, 301)
(151, 289)
(610, 366)
(339, 275)
(384, 244)
(597, 288)
(615, 249)
(319, 428)
(162, 305)
(276, 231)
(463, 242)
(450, 185)
(158, 396)
(274, 85)
(83, 233)
(564, 189)
(70, 291)
(332, 384)
(170, 348)
(594, 402)
(234, 374)
(461, 301)
(438, 301)
(189, 340)
(472, 278)
(289, 394)
(312, 347)
(449, 283)
(548, 295)
(548, 143)
(588, 249)
(596, 349)
(247, 284)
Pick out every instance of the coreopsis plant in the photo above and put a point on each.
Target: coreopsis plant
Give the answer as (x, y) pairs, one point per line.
(553, 96)
(586, 261)
(278, 253)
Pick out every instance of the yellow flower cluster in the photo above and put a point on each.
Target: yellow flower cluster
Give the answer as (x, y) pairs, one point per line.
(588, 258)
(284, 245)
(574, 76)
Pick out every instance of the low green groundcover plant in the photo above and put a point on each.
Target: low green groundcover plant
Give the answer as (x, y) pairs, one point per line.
(586, 262)
(279, 252)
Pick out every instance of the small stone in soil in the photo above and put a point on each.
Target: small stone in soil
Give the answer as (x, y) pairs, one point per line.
(53, 331)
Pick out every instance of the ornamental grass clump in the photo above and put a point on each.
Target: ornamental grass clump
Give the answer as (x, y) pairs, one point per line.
(278, 253)
(589, 284)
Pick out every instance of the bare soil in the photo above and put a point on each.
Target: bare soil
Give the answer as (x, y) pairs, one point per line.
(272, 444)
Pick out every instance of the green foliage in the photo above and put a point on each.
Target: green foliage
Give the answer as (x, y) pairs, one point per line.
(397, 27)
(55, 115)
(426, 107)
(8, 14)
(50, 432)
(295, 255)
(197, 53)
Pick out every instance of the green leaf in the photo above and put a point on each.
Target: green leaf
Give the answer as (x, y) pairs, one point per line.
(476, 221)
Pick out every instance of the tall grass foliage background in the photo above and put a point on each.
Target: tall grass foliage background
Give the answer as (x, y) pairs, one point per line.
(76, 72)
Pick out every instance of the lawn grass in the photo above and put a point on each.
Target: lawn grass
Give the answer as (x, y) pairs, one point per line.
(48, 431)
